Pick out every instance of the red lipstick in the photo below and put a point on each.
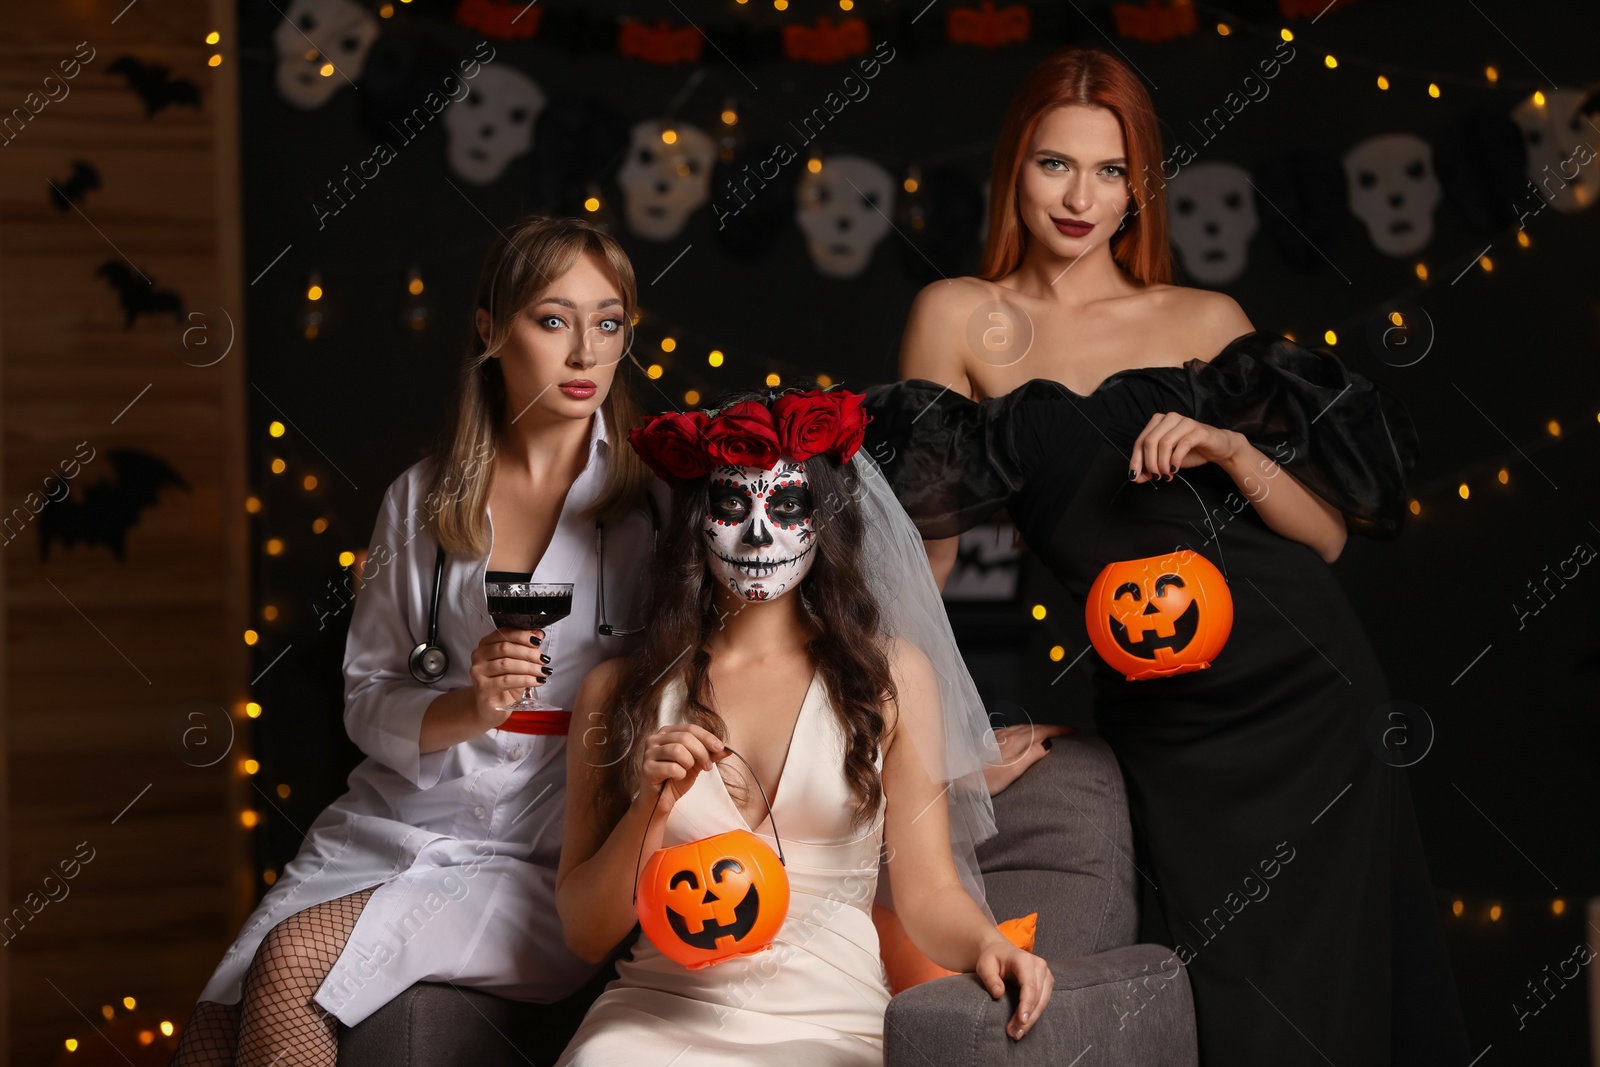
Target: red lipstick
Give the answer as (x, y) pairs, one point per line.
(578, 388)
(1072, 227)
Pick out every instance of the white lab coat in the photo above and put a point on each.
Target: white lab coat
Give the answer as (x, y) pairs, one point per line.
(462, 843)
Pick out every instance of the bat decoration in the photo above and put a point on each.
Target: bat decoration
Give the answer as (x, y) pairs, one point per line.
(988, 27)
(1153, 23)
(502, 19)
(69, 191)
(826, 42)
(138, 296)
(109, 509)
(660, 43)
(155, 85)
(973, 558)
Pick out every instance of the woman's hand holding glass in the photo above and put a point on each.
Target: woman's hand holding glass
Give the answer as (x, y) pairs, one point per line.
(504, 665)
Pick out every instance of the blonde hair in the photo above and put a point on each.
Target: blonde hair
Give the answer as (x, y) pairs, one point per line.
(531, 254)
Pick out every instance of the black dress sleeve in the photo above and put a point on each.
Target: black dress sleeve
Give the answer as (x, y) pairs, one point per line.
(949, 459)
(1347, 440)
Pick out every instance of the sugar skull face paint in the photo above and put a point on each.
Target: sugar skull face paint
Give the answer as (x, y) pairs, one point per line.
(758, 527)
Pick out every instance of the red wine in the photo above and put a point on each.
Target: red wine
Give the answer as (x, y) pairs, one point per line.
(528, 612)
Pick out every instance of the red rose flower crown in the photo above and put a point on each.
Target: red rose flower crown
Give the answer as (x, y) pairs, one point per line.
(798, 423)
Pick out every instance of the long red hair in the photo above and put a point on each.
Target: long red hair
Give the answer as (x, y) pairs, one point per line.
(1093, 78)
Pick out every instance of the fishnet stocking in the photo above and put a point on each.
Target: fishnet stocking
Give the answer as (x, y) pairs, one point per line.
(212, 1037)
(281, 1025)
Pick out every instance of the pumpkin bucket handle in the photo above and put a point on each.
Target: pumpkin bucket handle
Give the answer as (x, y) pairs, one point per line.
(638, 863)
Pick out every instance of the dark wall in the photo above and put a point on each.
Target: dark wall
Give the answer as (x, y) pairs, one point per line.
(1505, 795)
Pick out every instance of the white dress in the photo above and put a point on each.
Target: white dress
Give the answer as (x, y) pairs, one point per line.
(463, 843)
(817, 996)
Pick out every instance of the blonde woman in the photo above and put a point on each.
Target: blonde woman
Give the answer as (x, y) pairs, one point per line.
(440, 861)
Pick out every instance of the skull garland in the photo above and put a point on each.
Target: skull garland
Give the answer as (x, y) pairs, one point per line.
(663, 182)
(759, 529)
(316, 36)
(1394, 191)
(493, 124)
(1554, 133)
(1213, 219)
(844, 211)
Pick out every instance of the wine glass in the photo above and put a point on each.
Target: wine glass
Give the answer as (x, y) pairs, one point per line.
(517, 602)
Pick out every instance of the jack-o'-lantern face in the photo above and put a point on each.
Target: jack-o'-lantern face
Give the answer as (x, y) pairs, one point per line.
(709, 900)
(1160, 615)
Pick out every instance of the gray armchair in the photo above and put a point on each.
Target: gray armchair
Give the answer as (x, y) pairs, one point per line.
(1064, 850)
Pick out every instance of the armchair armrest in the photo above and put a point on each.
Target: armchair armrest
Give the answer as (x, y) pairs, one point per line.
(1132, 1004)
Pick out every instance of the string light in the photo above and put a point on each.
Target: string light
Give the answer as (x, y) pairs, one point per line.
(654, 370)
(249, 819)
(1458, 907)
(1433, 90)
(72, 1044)
(251, 637)
(1224, 29)
(773, 381)
(1422, 272)
(1057, 653)
(1286, 34)
(1039, 611)
(1383, 83)
(1492, 74)
(309, 482)
(319, 525)
(1558, 906)
(269, 612)
(1504, 476)
(669, 136)
(386, 11)
(275, 428)
(591, 203)
(346, 558)
(668, 344)
(1523, 239)
(215, 60)
(106, 1010)
(269, 876)
(252, 710)
(129, 1003)
(692, 397)
(274, 546)
(1396, 318)
(283, 790)
(824, 381)
(252, 504)
(1416, 507)
(1329, 62)
(1331, 337)
(846, 5)
(814, 164)
(1538, 98)
(1495, 911)
(1487, 264)
(1554, 427)
(279, 466)
(1462, 491)
(715, 358)
(249, 766)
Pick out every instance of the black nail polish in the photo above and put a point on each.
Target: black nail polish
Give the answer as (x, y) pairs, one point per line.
(543, 658)
(534, 641)
(1046, 743)
(1173, 468)
(1132, 474)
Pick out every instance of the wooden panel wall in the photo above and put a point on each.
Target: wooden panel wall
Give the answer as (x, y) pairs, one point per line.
(124, 868)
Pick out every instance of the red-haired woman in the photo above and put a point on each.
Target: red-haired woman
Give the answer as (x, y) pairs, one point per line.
(1120, 417)
(439, 862)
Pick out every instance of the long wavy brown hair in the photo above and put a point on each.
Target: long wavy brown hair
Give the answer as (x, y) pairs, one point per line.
(1090, 77)
(849, 649)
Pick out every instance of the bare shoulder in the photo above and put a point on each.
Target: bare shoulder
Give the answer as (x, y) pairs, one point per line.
(913, 675)
(599, 686)
(934, 344)
(1200, 322)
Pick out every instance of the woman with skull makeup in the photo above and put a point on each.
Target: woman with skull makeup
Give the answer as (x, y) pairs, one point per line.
(1118, 417)
(439, 862)
(793, 622)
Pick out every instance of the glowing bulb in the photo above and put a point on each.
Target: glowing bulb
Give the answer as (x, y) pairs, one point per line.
(1396, 318)
(715, 358)
(591, 203)
(1458, 907)
(1487, 264)
(1286, 34)
(250, 766)
(72, 1044)
(846, 5)
(252, 710)
(773, 380)
(327, 70)
(1039, 611)
(319, 525)
(215, 60)
(269, 612)
(252, 504)
(824, 381)
(314, 293)
(1492, 74)
(129, 1003)
(1554, 427)
(346, 558)
(1383, 83)
(668, 344)
(1462, 491)
(249, 819)
(1331, 337)
(814, 165)
(1057, 653)
(279, 466)
(692, 397)
(147, 1037)
(1558, 907)
(1224, 29)
(1433, 90)
(1538, 98)
(911, 185)
(414, 287)
(107, 1011)
(283, 791)
(1504, 476)
(275, 428)
(730, 117)
(1494, 913)
(274, 546)
(309, 481)
(251, 637)
(1523, 239)
(780, 5)
(270, 877)
(654, 370)
(1422, 272)
(669, 136)
(1416, 507)
(1329, 62)
(386, 11)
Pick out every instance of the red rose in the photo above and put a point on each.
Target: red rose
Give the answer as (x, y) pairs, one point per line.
(742, 436)
(671, 445)
(815, 422)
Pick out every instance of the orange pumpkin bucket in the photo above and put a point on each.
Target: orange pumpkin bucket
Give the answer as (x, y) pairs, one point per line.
(716, 898)
(1160, 615)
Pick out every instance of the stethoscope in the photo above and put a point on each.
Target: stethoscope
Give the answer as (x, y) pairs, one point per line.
(429, 661)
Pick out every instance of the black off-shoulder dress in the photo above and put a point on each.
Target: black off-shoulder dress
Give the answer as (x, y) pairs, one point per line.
(1279, 851)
